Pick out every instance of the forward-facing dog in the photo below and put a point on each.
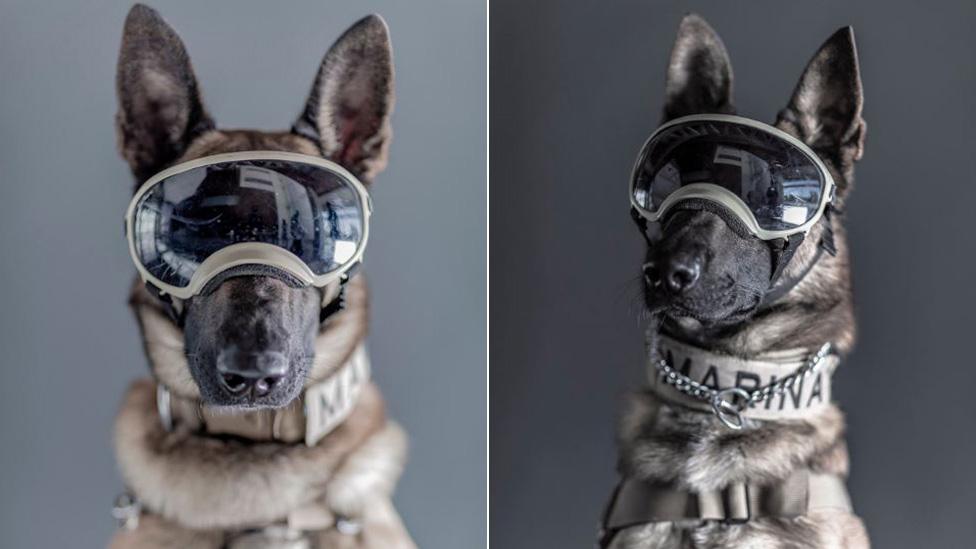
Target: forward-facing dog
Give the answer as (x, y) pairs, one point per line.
(260, 427)
(735, 442)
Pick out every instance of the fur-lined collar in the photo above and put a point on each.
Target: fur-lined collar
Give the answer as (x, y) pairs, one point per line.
(229, 482)
(209, 482)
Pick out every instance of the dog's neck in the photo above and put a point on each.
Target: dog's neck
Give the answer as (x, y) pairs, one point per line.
(675, 443)
(726, 369)
(205, 481)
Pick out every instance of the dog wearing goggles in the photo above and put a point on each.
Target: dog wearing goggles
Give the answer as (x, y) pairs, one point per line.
(260, 427)
(736, 443)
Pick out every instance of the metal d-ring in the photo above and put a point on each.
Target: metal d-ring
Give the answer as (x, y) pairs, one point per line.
(728, 405)
(126, 510)
(164, 407)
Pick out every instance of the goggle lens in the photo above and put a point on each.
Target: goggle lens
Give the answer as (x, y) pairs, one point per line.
(314, 213)
(777, 181)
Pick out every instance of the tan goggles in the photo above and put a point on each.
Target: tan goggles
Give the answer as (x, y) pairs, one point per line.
(300, 214)
(767, 178)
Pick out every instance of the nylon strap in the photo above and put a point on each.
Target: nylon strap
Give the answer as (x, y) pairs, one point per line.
(718, 371)
(322, 407)
(636, 502)
(337, 304)
(826, 244)
(781, 258)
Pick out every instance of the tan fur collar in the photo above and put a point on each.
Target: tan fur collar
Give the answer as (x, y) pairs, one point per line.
(209, 482)
(226, 483)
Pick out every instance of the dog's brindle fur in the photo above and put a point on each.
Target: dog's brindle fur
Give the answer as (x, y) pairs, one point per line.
(722, 312)
(162, 121)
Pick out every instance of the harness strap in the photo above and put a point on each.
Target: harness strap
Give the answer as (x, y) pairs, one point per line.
(637, 502)
(313, 517)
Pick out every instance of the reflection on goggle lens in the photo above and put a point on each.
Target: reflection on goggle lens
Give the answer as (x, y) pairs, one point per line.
(306, 209)
(779, 183)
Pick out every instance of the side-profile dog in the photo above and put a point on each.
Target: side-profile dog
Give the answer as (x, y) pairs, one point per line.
(206, 464)
(707, 457)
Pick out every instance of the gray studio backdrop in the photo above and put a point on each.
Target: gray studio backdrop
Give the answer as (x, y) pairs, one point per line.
(68, 344)
(575, 89)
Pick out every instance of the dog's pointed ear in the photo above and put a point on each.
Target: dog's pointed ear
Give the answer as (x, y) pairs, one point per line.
(348, 110)
(699, 72)
(825, 111)
(160, 109)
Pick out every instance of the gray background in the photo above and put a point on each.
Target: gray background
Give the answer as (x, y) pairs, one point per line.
(575, 89)
(69, 344)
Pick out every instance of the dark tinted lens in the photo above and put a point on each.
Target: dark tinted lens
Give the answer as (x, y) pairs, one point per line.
(778, 181)
(305, 209)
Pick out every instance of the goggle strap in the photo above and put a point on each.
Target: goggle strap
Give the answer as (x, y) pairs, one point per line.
(175, 310)
(641, 222)
(826, 244)
(781, 259)
(334, 306)
(783, 255)
(827, 238)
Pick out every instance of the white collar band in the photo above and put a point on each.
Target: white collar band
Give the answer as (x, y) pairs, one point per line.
(789, 384)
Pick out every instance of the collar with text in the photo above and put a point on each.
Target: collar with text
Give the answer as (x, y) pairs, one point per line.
(733, 379)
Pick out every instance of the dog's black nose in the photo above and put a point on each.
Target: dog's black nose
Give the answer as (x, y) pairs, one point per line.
(241, 372)
(681, 271)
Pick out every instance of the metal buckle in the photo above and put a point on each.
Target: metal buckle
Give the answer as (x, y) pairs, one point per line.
(164, 407)
(126, 510)
(348, 526)
(728, 405)
(735, 503)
